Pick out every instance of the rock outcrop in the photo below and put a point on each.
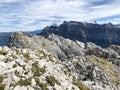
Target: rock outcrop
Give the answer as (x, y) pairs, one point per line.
(58, 46)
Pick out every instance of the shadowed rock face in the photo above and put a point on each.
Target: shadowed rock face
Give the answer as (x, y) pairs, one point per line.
(103, 35)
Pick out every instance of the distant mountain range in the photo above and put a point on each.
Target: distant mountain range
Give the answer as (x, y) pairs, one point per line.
(33, 32)
(101, 34)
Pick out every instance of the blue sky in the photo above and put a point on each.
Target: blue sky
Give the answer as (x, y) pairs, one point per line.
(29, 15)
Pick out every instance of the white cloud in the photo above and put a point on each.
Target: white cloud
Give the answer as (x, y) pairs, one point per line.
(35, 14)
(8, 1)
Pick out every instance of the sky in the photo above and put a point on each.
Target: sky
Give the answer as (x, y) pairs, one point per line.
(30, 15)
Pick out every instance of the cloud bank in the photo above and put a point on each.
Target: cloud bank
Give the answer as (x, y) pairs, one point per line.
(25, 15)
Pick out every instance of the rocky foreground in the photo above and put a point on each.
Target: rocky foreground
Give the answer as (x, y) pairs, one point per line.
(23, 69)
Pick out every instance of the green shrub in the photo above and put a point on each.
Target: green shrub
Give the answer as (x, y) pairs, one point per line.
(51, 80)
(14, 65)
(1, 79)
(42, 85)
(35, 64)
(26, 55)
(36, 70)
(42, 52)
(37, 80)
(25, 82)
(43, 45)
(3, 52)
(42, 70)
(7, 60)
(81, 86)
(39, 71)
(2, 86)
(26, 72)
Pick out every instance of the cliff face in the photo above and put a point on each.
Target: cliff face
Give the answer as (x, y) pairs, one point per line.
(102, 35)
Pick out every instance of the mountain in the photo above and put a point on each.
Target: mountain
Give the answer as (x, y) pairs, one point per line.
(95, 67)
(61, 58)
(4, 36)
(101, 34)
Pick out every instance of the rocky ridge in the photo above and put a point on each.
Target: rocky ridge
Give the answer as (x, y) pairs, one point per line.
(4, 36)
(95, 67)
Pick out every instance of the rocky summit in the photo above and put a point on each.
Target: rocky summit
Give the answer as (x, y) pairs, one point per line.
(61, 58)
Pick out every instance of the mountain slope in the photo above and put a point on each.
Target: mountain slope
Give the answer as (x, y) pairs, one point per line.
(95, 67)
